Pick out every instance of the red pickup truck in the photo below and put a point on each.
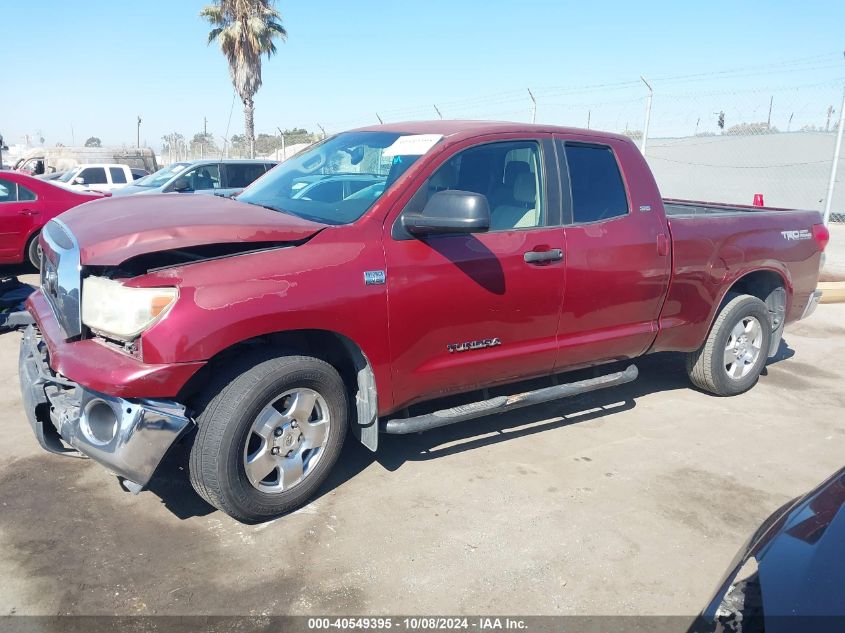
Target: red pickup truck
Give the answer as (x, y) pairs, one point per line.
(441, 271)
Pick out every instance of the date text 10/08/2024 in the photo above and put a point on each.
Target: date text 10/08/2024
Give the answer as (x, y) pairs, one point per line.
(418, 623)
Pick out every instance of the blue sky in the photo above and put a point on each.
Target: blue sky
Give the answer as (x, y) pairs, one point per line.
(94, 65)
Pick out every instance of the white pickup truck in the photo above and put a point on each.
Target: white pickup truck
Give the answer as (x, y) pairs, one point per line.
(100, 177)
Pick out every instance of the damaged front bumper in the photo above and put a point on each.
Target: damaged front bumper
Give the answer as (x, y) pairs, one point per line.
(128, 436)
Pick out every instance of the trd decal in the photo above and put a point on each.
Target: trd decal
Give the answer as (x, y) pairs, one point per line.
(802, 234)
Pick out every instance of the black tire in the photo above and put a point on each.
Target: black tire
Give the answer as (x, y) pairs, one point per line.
(33, 251)
(226, 412)
(707, 365)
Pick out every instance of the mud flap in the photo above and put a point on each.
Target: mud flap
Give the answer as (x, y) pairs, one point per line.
(776, 304)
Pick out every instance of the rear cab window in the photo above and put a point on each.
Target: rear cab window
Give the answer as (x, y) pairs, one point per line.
(118, 177)
(598, 191)
(240, 175)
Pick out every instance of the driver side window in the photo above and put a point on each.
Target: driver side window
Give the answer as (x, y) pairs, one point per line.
(508, 174)
(203, 177)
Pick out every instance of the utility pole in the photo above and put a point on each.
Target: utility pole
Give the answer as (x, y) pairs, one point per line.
(836, 153)
(138, 133)
(204, 126)
(2, 147)
(589, 114)
(533, 106)
(437, 111)
(647, 115)
(769, 120)
(830, 112)
(828, 202)
(322, 129)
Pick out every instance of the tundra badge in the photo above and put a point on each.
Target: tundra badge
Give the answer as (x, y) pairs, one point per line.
(468, 345)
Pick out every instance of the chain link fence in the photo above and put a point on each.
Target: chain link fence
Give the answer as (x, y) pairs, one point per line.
(728, 146)
(720, 137)
(176, 148)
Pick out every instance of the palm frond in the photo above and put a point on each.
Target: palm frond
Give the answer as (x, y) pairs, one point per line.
(213, 34)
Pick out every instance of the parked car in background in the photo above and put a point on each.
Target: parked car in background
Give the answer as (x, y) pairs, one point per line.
(219, 177)
(790, 574)
(497, 257)
(337, 188)
(46, 160)
(26, 204)
(103, 177)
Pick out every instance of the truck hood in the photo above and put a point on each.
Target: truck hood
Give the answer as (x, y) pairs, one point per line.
(112, 231)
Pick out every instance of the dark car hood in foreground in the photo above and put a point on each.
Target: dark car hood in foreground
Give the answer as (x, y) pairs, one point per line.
(112, 231)
(800, 555)
(802, 564)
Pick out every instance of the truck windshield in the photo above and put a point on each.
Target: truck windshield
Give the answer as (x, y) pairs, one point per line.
(68, 175)
(336, 181)
(160, 177)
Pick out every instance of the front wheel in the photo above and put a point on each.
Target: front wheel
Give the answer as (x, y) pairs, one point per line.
(268, 437)
(731, 359)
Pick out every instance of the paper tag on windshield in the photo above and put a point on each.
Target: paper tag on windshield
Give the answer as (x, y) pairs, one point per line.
(412, 145)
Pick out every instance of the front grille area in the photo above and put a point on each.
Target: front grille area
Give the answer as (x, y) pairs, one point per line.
(61, 279)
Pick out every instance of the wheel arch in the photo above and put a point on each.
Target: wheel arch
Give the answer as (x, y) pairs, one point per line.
(773, 287)
(32, 235)
(338, 350)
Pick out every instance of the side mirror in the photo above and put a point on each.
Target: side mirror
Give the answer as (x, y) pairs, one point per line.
(181, 185)
(79, 180)
(451, 211)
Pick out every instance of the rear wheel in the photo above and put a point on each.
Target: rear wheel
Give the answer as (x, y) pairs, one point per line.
(731, 359)
(33, 251)
(268, 436)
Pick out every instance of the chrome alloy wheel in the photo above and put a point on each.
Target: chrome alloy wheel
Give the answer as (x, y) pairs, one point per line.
(286, 440)
(743, 347)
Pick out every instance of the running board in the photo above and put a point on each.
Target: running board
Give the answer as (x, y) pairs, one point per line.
(499, 404)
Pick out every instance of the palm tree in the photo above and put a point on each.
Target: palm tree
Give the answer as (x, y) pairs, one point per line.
(245, 29)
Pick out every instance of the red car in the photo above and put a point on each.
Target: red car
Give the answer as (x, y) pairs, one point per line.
(26, 205)
(479, 264)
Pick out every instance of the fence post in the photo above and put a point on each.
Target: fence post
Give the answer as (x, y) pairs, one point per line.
(647, 115)
(831, 186)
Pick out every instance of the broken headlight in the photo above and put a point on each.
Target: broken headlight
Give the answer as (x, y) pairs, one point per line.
(121, 312)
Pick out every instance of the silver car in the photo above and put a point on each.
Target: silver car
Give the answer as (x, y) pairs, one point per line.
(218, 177)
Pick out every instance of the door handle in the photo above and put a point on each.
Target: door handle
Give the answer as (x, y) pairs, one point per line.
(538, 257)
(29, 212)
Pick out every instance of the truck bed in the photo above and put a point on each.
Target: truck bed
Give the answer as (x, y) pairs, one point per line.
(675, 207)
(715, 245)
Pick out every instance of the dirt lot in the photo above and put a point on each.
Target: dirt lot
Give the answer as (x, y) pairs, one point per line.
(629, 501)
